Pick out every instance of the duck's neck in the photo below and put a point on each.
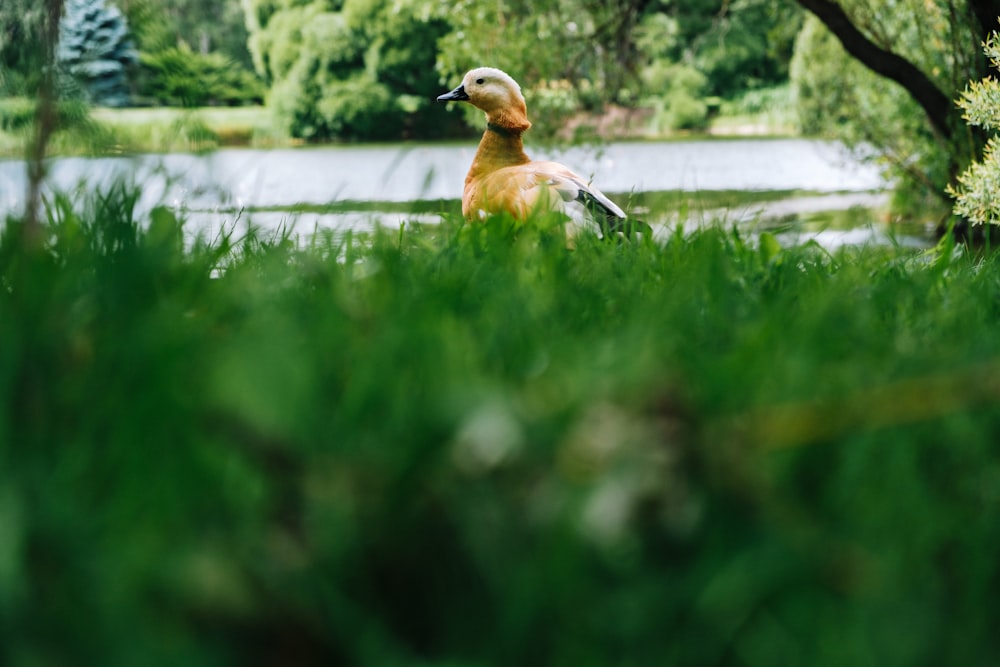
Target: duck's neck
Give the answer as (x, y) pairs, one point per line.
(501, 146)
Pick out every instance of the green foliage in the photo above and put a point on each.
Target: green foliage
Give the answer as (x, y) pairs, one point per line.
(16, 114)
(550, 104)
(575, 55)
(739, 46)
(365, 71)
(456, 446)
(180, 77)
(977, 193)
(772, 108)
(358, 107)
(95, 51)
(839, 98)
(21, 52)
(72, 120)
(547, 44)
(817, 69)
(680, 103)
(204, 27)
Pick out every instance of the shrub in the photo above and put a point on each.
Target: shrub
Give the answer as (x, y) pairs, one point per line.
(362, 72)
(977, 192)
(677, 94)
(179, 76)
(360, 108)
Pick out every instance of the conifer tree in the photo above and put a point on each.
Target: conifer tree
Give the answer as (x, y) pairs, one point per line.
(95, 50)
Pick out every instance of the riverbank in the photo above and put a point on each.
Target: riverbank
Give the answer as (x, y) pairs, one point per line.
(104, 131)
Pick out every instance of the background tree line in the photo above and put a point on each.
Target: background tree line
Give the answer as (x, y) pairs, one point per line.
(571, 54)
(880, 76)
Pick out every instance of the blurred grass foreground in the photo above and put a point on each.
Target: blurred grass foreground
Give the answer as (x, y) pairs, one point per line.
(463, 446)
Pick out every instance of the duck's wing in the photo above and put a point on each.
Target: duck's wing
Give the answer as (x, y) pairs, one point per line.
(571, 187)
(541, 186)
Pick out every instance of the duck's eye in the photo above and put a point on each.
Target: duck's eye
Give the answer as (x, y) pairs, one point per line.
(480, 81)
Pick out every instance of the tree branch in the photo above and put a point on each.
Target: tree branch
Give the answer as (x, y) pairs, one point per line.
(935, 103)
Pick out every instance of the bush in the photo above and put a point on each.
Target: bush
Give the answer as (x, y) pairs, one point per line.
(677, 94)
(360, 108)
(180, 77)
(977, 192)
(354, 108)
(362, 72)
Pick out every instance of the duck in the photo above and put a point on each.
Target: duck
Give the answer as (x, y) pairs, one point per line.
(504, 180)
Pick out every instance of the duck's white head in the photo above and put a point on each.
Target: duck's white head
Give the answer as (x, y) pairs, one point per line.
(496, 93)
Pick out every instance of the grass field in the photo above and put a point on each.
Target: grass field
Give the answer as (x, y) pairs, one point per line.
(103, 131)
(472, 446)
(161, 129)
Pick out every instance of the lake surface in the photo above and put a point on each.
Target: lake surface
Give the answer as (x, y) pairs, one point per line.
(211, 186)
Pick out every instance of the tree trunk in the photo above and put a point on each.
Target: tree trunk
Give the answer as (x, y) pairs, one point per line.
(45, 125)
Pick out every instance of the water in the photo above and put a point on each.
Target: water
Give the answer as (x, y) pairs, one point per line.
(211, 186)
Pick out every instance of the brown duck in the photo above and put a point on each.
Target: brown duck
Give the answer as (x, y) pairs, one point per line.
(503, 179)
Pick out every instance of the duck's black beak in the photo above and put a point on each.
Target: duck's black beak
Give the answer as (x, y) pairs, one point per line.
(456, 95)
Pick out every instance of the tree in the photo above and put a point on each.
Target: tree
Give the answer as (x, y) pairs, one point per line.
(738, 45)
(587, 45)
(926, 47)
(202, 27)
(362, 71)
(837, 96)
(192, 53)
(95, 49)
(29, 33)
(664, 55)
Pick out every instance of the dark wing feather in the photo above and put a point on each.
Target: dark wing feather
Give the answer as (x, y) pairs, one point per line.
(610, 222)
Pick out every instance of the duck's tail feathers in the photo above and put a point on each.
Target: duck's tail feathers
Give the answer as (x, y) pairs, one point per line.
(612, 224)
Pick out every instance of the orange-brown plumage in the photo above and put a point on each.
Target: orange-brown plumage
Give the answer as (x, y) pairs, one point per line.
(502, 177)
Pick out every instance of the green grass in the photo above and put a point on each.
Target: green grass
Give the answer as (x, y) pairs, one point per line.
(102, 131)
(151, 128)
(465, 446)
